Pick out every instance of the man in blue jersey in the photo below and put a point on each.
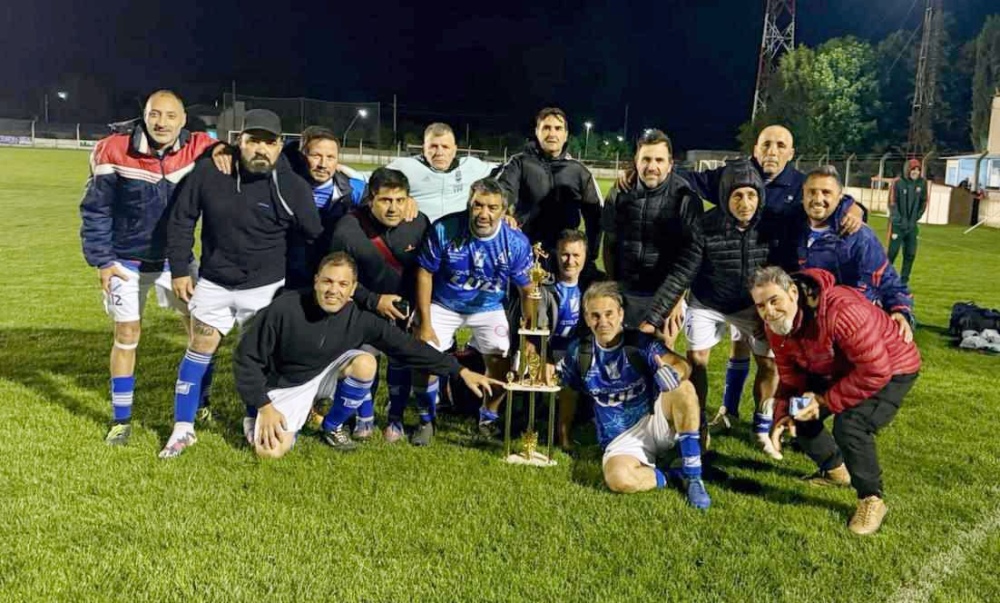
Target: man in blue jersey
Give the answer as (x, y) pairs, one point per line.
(468, 262)
(643, 401)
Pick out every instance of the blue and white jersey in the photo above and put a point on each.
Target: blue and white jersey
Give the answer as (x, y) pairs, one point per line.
(471, 275)
(568, 300)
(622, 394)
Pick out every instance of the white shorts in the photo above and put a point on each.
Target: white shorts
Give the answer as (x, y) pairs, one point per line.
(222, 308)
(644, 440)
(490, 332)
(127, 298)
(705, 327)
(296, 402)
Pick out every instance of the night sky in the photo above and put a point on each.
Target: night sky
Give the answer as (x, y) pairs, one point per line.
(687, 66)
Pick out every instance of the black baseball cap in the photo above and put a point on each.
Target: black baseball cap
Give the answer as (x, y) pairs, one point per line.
(262, 119)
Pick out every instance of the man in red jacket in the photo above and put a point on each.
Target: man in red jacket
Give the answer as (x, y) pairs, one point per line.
(837, 354)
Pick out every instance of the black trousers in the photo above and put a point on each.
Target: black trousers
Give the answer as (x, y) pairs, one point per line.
(853, 439)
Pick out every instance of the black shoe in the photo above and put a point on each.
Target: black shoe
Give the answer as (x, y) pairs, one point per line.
(339, 439)
(490, 429)
(423, 435)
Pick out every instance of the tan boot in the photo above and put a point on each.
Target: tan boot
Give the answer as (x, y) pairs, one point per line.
(838, 477)
(867, 519)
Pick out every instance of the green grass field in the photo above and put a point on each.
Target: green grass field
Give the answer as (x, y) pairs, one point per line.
(451, 522)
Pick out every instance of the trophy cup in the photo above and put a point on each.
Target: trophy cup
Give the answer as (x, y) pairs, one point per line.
(530, 374)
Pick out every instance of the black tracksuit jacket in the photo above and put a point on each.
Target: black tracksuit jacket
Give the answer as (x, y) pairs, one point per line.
(245, 223)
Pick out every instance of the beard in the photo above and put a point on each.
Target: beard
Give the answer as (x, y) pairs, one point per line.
(783, 326)
(258, 165)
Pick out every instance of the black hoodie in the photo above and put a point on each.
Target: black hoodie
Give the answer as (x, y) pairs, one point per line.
(245, 223)
(718, 258)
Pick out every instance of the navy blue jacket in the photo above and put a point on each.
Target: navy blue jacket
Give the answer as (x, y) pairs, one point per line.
(856, 260)
(782, 195)
(123, 211)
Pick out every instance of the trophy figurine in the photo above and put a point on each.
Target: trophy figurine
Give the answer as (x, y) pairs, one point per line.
(530, 374)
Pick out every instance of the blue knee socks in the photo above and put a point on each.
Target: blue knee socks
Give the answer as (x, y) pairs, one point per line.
(350, 395)
(122, 393)
(736, 377)
(187, 392)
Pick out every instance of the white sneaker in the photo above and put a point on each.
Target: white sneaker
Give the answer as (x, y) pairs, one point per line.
(177, 444)
(990, 335)
(723, 421)
(974, 342)
(763, 442)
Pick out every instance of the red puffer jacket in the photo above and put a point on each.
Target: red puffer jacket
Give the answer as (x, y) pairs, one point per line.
(850, 346)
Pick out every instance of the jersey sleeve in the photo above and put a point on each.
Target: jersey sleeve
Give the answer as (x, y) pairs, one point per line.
(432, 250)
(520, 261)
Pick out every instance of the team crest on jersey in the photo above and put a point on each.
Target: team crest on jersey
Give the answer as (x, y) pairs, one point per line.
(478, 258)
(613, 371)
(574, 304)
(458, 175)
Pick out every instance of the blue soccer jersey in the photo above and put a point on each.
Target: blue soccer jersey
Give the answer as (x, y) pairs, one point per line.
(622, 394)
(568, 298)
(471, 275)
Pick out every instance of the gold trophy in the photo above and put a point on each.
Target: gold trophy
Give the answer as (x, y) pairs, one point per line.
(530, 375)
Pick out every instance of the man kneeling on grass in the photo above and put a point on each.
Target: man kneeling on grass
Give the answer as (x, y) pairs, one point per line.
(307, 345)
(643, 401)
(837, 354)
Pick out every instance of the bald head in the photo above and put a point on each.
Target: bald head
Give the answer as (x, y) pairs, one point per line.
(774, 149)
(164, 118)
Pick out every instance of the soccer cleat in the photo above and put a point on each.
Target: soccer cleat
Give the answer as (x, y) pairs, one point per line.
(763, 442)
(838, 477)
(339, 439)
(364, 430)
(697, 496)
(867, 518)
(175, 447)
(393, 432)
(423, 435)
(489, 429)
(119, 434)
(723, 421)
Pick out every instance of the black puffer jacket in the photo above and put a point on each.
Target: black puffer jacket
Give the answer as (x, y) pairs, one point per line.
(551, 194)
(644, 231)
(718, 258)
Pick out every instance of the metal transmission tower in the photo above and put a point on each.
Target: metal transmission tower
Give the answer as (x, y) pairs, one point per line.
(778, 37)
(921, 136)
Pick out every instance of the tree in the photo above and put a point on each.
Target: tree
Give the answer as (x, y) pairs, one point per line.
(828, 98)
(985, 79)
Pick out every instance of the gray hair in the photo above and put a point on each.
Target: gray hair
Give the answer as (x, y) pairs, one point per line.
(825, 171)
(487, 186)
(771, 275)
(603, 289)
(437, 129)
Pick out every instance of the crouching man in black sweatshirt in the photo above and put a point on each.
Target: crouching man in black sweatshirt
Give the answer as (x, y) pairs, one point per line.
(307, 345)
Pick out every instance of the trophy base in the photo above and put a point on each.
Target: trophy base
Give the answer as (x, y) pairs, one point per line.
(520, 387)
(536, 332)
(537, 460)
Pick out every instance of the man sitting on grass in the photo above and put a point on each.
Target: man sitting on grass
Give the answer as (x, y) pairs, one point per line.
(307, 345)
(643, 402)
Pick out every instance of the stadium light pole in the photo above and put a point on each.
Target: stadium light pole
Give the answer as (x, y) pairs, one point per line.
(586, 139)
(362, 113)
